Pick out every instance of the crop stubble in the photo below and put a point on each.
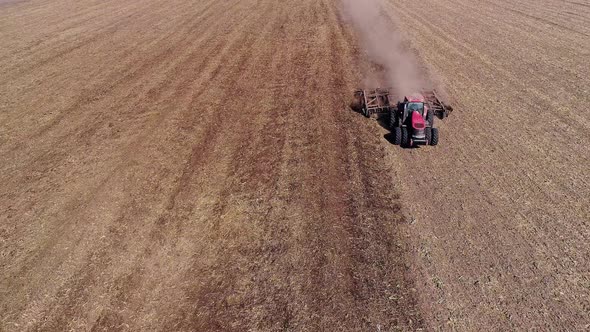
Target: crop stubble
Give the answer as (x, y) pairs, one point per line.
(501, 233)
(188, 165)
(191, 165)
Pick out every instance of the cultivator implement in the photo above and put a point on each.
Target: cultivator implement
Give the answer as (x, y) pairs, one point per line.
(378, 101)
(373, 101)
(411, 121)
(439, 108)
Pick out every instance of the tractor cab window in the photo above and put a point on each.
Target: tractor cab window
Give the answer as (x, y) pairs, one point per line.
(419, 107)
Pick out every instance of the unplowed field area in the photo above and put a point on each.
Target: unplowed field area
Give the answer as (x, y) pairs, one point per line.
(195, 166)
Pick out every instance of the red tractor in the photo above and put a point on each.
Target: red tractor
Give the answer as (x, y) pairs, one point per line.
(411, 121)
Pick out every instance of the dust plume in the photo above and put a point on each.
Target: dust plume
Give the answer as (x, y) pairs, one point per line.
(384, 46)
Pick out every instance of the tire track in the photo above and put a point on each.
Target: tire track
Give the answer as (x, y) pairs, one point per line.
(499, 243)
(204, 182)
(95, 194)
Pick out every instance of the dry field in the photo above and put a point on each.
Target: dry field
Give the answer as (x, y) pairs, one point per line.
(193, 165)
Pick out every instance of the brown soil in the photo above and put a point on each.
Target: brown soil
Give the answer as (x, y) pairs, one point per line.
(187, 165)
(502, 206)
(193, 165)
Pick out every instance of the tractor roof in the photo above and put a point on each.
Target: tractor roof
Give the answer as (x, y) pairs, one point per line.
(415, 98)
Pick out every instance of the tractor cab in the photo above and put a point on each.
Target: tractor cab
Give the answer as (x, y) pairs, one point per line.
(415, 107)
(414, 103)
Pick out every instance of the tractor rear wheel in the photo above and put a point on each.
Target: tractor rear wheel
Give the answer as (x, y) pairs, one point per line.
(434, 137)
(405, 138)
(397, 135)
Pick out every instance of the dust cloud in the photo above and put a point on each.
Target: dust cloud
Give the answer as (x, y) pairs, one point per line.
(384, 46)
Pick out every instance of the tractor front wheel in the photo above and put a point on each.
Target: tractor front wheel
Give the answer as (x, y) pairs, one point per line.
(405, 138)
(428, 133)
(430, 118)
(434, 137)
(397, 135)
(392, 120)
